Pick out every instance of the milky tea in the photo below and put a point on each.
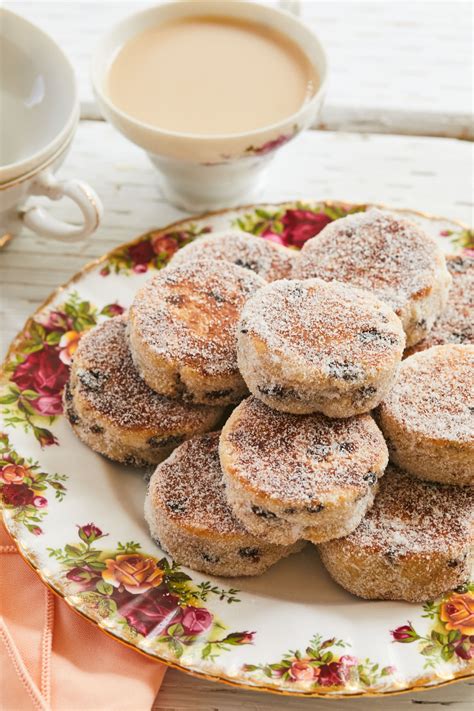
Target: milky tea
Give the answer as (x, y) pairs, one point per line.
(210, 76)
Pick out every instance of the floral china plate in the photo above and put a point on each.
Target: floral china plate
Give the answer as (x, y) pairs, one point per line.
(78, 518)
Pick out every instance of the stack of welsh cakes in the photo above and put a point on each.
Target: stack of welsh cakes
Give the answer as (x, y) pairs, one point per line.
(270, 388)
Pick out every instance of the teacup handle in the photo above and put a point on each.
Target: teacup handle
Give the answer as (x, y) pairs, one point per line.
(44, 224)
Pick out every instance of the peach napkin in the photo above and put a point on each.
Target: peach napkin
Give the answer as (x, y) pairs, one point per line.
(51, 658)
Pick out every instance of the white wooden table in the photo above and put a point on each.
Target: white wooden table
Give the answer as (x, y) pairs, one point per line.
(396, 67)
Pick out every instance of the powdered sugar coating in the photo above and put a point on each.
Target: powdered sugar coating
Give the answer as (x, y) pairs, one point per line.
(284, 525)
(344, 331)
(104, 376)
(414, 544)
(303, 461)
(391, 257)
(304, 345)
(188, 515)
(269, 260)
(434, 395)
(188, 314)
(374, 250)
(456, 323)
(416, 517)
(189, 486)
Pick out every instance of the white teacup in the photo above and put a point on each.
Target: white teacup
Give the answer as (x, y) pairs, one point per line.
(209, 172)
(40, 112)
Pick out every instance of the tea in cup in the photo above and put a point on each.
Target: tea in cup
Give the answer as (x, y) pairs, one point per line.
(210, 91)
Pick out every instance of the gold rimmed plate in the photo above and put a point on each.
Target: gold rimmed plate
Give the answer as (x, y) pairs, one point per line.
(78, 518)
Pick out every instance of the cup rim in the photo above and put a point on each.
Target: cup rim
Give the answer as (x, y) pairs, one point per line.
(21, 168)
(137, 124)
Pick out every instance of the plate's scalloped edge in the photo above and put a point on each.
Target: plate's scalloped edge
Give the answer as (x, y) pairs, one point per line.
(424, 683)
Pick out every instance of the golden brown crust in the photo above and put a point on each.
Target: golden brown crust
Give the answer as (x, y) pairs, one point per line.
(113, 410)
(428, 416)
(189, 516)
(188, 489)
(313, 346)
(269, 260)
(414, 543)
(389, 256)
(456, 323)
(301, 461)
(182, 330)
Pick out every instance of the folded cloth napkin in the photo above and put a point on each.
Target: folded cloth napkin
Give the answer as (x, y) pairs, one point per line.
(53, 659)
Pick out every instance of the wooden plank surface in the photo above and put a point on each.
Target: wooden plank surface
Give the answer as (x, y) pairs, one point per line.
(395, 67)
(181, 692)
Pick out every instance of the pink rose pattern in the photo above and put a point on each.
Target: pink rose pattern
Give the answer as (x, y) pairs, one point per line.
(290, 226)
(462, 238)
(154, 598)
(271, 145)
(321, 666)
(25, 488)
(294, 224)
(39, 370)
(44, 372)
(153, 251)
(31, 397)
(299, 226)
(195, 620)
(451, 634)
(38, 373)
